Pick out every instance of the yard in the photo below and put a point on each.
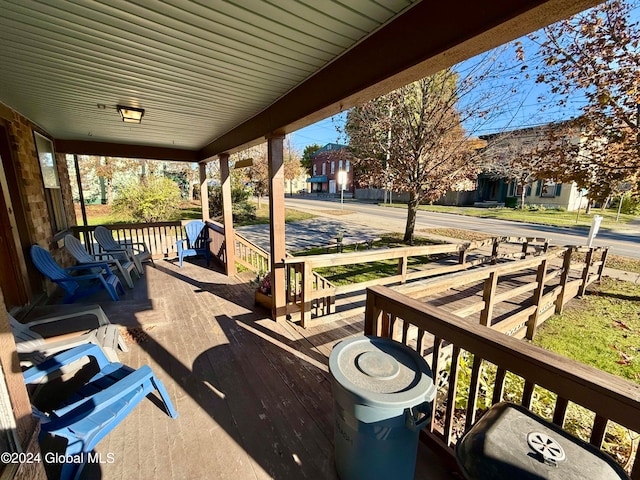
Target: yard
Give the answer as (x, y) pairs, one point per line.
(539, 216)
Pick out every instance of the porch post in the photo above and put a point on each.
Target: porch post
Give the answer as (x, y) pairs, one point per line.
(204, 191)
(83, 207)
(15, 407)
(276, 224)
(227, 216)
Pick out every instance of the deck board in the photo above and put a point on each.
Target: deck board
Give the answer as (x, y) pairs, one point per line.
(253, 396)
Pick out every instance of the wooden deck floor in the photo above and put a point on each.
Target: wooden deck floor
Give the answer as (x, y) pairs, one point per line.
(253, 396)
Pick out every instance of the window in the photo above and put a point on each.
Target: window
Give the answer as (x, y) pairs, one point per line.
(324, 169)
(548, 189)
(53, 193)
(333, 168)
(348, 166)
(315, 170)
(340, 165)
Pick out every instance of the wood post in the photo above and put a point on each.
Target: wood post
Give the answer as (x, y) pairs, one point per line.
(204, 191)
(532, 323)
(462, 254)
(307, 290)
(585, 273)
(17, 403)
(227, 216)
(494, 251)
(566, 266)
(276, 224)
(603, 261)
(371, 315)
(488, 295)
(402, 268)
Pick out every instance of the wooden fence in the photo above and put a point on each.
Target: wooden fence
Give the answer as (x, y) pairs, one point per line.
(611, 399)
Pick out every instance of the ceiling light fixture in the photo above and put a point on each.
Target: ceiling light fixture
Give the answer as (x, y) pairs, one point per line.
(130, 114)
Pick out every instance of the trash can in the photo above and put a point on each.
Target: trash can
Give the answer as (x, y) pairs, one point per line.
(383, 393)
(511, 442)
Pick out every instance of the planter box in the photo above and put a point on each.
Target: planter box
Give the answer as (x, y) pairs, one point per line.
(263, 300)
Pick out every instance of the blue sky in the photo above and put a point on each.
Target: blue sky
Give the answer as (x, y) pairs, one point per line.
(522, 110)
(529, 104)
(322, 132)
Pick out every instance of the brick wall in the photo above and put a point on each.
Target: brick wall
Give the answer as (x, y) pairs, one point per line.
(27, 168)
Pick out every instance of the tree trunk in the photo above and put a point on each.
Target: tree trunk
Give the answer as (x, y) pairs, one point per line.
(524, 190)
(109, 191)
(412, 209)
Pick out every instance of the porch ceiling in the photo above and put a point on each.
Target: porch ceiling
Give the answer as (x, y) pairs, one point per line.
(213, 76)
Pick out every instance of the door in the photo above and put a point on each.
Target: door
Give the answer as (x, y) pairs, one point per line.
(12, 280)
(332, 186)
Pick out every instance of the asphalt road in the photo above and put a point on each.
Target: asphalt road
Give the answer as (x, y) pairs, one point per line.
(626, 243)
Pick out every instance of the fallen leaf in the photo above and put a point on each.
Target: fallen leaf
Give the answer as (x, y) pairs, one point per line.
(621, 324)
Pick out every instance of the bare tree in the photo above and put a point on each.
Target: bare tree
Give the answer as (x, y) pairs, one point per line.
(413, 140)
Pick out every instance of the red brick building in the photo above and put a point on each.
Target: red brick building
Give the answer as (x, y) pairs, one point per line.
(330, 167)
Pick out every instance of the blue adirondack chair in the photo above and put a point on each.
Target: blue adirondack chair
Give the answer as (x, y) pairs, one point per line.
(123, 250)
(77, 251)
(196, 243)
(77, 286)
(98, 406)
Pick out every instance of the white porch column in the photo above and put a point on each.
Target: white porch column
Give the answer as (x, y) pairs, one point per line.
(276, 224)
(227, 216)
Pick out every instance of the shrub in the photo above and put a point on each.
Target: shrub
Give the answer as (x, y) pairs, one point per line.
(154, 199)
(243, 210)
(630, 204)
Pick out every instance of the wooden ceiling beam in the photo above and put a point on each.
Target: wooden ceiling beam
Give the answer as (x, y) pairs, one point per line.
(83, 147)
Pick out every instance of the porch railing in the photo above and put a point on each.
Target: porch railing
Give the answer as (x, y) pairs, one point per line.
(433, 332)
(160, 237)
(316, 298)
(251, 256)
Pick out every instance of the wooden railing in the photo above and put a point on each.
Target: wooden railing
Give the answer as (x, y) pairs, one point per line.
(160, 237)
(317, 297)
(431, 331)
(539, 286)
(251, 256)
(308, 292)
(217, 245)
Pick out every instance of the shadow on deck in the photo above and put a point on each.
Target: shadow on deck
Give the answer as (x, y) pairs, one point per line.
(253, 396)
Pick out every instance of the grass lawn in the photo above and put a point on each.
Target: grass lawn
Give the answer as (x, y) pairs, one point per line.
(362, 272)
(290, 215)
(623, 263)
(543, 217)
(602, 329)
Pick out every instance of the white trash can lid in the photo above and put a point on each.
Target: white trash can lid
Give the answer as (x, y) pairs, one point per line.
(381, 372)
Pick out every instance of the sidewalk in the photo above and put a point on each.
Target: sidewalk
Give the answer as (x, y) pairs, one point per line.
(621, 275)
